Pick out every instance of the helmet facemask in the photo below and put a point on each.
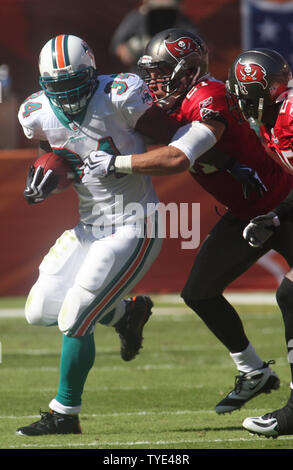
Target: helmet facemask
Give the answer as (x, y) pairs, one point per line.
(179, 59)
(250, 109)
(159, 77)
(68, 73)
(70, 91)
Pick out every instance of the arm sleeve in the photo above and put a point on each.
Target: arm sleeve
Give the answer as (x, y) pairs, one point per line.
(193, 139)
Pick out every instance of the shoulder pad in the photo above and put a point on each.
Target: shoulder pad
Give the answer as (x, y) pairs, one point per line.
(34, 102)
(125, 83)
(31, 112)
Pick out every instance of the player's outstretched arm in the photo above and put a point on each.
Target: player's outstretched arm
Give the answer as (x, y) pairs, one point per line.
(187, 145)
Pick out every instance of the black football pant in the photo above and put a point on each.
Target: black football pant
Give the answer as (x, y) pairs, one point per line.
(222, 258)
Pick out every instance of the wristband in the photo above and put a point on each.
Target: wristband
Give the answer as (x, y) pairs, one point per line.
(123, 164)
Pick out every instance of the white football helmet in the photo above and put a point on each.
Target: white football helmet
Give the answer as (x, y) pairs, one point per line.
(68, 73)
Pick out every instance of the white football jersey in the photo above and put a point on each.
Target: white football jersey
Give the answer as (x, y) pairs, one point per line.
(108, 124)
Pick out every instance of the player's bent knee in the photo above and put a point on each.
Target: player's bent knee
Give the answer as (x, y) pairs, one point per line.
(76, 301)
(34, 313)
(200, 290)
(191, 300)
(192, 303)
(34, 317)
(39, 309)
(284, 294)
(201, 306)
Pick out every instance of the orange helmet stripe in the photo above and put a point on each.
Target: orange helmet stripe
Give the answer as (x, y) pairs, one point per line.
(60, 51)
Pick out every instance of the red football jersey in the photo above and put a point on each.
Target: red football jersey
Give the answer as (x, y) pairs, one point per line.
(209, 100)
(280, 138)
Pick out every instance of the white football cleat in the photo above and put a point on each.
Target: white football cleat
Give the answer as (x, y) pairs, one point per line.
(274, 424)
(265, 425)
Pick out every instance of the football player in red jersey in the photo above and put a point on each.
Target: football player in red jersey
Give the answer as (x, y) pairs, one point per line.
(258, 80)
(224, 155)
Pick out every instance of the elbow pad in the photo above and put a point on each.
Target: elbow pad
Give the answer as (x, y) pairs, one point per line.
(193, 140)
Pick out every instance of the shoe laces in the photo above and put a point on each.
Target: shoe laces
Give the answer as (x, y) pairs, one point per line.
(242, 377)
(45, 417)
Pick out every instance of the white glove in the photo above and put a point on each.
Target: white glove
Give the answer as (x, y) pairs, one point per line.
(99, 164)
(39, 185)
(260, 229)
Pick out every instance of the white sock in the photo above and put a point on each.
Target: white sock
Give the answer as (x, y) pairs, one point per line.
(247, 360)
(65, 410)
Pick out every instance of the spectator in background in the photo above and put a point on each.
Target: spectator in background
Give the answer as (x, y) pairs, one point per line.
(140, 25)
(8, 109)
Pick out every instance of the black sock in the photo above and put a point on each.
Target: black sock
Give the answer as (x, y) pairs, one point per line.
(284, 298)
(222, 319)
(290, 401)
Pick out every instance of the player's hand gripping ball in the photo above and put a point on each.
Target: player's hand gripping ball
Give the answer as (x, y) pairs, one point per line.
(49, 174)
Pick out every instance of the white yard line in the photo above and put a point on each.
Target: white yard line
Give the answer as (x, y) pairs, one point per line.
(239, 298)
(101, 444)
(11, 312)
(113, 444)
(247, 298)
(133, 413)
(251, 411)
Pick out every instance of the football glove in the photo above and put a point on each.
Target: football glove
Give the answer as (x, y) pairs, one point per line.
(100, 164)
(260, 229)
(39, 185)
(248, 178)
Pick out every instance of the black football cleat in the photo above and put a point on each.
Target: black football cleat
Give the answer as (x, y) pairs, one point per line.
(52, 422)
(247, 386)
(274, 424)
(130, 326)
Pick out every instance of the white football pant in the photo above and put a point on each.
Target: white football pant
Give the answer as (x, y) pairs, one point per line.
(82, 279)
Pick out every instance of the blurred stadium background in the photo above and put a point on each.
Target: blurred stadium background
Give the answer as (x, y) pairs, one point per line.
(27, 232)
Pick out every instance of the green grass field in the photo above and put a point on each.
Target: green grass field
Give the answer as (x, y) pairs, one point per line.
(164, 399)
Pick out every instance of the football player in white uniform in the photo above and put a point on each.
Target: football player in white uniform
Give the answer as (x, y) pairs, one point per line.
(84, 277)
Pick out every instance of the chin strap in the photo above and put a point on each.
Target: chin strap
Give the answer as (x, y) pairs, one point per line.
(260, 110)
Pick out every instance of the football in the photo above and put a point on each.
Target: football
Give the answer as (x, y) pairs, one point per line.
(56, 163)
